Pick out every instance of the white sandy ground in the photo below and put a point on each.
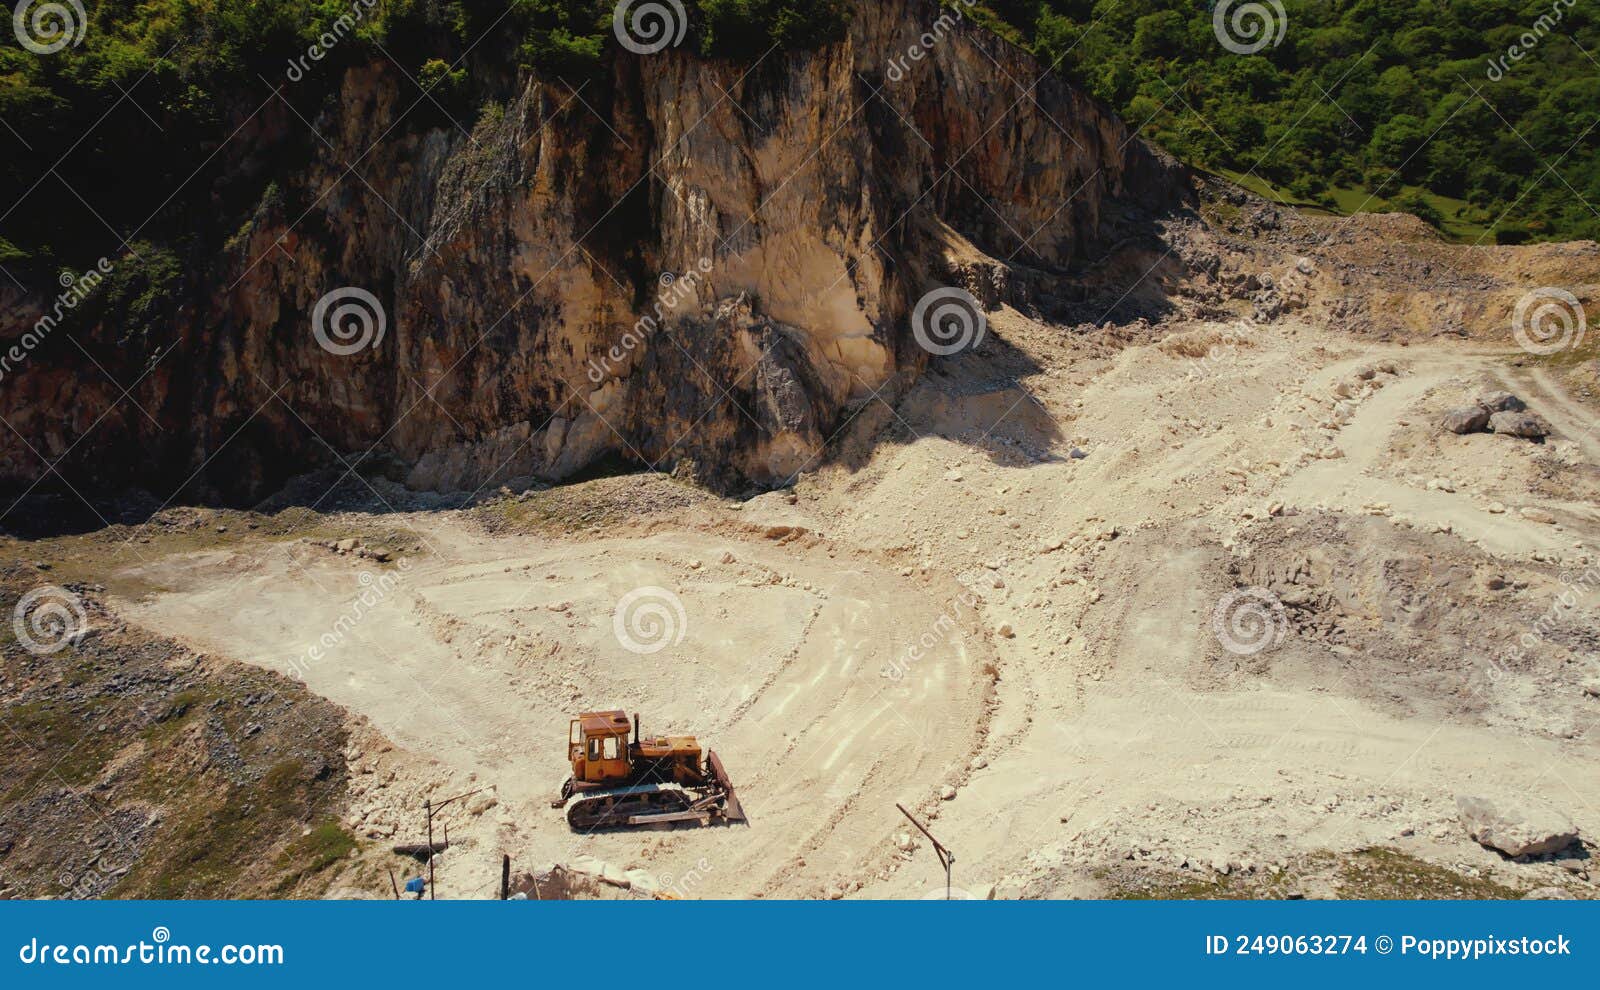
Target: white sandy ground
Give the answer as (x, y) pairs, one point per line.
(1108, 723)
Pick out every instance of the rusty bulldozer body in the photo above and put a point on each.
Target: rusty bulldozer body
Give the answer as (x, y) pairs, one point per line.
(619, 783)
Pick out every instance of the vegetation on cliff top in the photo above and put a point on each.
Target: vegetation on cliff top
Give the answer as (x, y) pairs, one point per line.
(107, 139)
(1363, 104)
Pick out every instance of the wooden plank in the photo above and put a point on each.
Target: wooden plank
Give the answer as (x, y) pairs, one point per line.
(669, 816)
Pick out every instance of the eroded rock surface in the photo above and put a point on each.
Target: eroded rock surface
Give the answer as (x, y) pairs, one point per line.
(702, 266)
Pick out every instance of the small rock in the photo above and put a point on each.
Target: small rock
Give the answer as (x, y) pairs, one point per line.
(946, 792)
(1501, 402)
(1005, 631)
(1516, 828)
(1538, 516)
(1519, 424)
(1547, 894)
(1466, 419)
(347, 544)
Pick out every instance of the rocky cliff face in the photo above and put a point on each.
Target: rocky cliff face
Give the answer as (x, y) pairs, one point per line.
(691, 265)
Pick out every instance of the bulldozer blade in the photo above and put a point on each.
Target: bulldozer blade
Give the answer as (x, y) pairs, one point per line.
(734, 810)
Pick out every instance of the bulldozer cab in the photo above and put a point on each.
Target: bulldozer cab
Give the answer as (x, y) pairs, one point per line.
(597, 745)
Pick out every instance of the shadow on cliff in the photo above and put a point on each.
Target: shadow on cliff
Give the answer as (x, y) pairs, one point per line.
(980, 398)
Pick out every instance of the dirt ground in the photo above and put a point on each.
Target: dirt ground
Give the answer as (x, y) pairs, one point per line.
(1029, 581)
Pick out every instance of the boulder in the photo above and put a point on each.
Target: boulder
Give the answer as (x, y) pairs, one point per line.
(1519, 424)
(1501, 402)
(1466, 419)
(1515, 827)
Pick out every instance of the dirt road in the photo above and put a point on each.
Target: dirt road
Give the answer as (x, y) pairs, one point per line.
(1062, 539)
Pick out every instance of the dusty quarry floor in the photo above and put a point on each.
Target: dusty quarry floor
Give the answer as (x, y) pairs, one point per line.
(1068, 679)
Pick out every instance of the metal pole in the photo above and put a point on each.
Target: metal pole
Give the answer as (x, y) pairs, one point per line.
(427, 806)
(946, 857)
